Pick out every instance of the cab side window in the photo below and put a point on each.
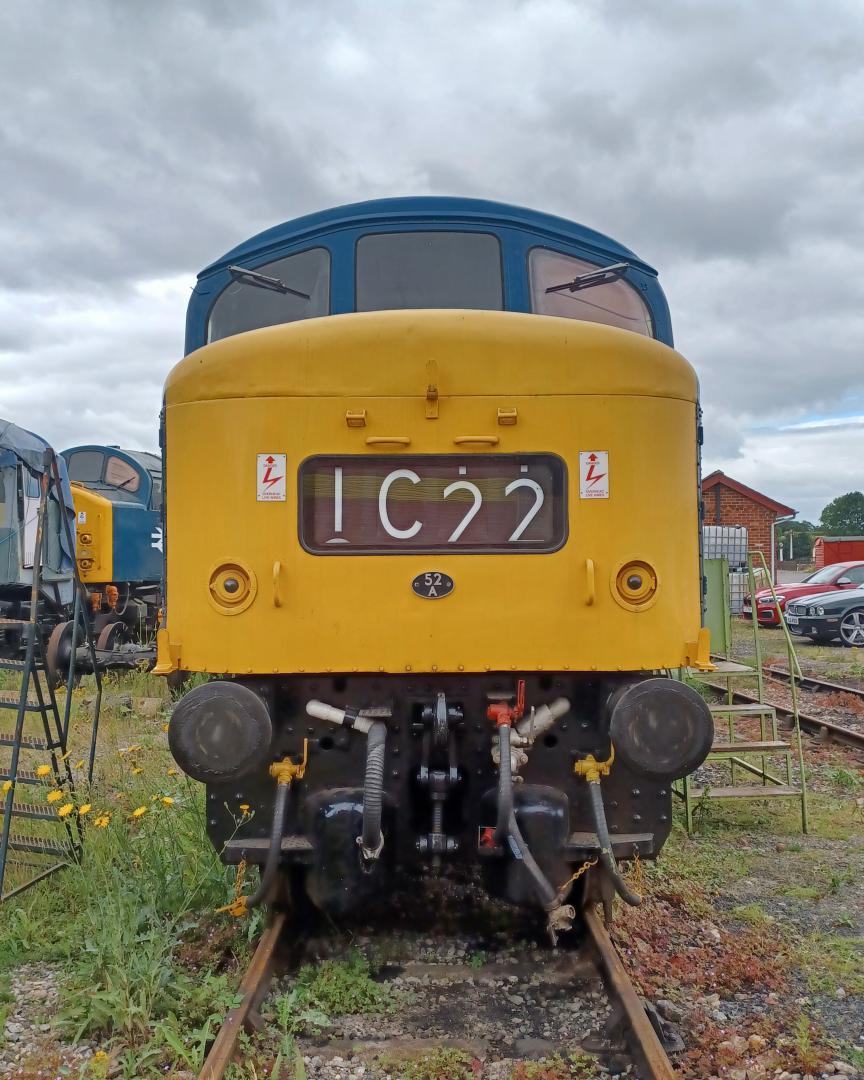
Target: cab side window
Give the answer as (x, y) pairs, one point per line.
(85, 466)
(120, 474)
(556, 290)
(855, 574)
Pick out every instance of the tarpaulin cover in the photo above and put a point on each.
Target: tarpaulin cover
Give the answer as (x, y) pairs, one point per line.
(19, 445)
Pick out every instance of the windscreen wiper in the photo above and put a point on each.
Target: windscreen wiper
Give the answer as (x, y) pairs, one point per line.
(263, 281)
(603, 275)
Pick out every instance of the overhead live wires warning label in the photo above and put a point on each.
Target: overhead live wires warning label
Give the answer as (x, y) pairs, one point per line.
(594, 474)
(271, 477)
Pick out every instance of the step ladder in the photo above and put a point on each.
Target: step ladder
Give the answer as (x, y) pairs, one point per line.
(35, 841)
(768, 757)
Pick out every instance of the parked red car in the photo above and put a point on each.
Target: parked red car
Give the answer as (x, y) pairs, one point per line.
(841, 575)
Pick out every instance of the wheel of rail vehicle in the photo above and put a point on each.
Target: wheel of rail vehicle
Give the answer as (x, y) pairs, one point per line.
(111, 635)
(58, 653)
(852, 629)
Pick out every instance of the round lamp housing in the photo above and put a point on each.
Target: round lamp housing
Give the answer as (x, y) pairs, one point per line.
(660, 728)
(220, 731)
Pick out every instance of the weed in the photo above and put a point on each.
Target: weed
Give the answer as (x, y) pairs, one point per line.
(337, 987)
(574, 1067)
(809, 1058)
(115, 922)
(477, 958)
(831, 961)
(799, 892)
(754, 914)
(853, 1056)
(443, 1063)
(845, 778)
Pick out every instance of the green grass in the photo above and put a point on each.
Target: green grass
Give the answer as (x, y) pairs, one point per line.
(116, 923)
(443, 1063)
(753, 914)
(832, 961)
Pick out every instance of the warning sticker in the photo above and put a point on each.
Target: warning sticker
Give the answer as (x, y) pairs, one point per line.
(594, 474)
(82, 517)
(271, 477)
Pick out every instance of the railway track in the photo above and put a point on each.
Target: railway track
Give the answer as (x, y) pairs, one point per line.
(643, 1044)
(815, 725)
(809, 682)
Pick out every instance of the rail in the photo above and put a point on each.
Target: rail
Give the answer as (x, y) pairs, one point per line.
(648, 1047)
(645, 1046)
(252, 990)
(814, 724)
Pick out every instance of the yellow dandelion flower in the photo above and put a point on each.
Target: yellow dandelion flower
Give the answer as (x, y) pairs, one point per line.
(7, 786)
(65, 810)
(171, 772)
(43, 770)
(137, 770)
(55, 796)
(244, 807)
(102, 821)
(167, 800)
(85, 809)
(140, 812)
(164, 727)
(100, 1055)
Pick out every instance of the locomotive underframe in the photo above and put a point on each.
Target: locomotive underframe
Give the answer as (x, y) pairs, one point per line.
(440, 790)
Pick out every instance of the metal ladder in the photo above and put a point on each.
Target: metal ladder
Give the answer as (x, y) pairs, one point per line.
(754, 756)
(47, 842)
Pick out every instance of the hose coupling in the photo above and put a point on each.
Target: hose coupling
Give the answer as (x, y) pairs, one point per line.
(592, 769)
(370, 854)
(287, 771)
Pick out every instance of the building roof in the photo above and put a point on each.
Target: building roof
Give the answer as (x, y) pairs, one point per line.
(719, 479)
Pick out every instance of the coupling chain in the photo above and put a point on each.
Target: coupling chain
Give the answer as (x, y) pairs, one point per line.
(583, 869)
(237, 907)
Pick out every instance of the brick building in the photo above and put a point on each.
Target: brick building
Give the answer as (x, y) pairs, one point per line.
(729, 502)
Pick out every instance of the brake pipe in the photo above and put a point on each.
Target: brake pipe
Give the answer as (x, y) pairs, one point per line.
(284, 772)
(560, 915)
(592, 770)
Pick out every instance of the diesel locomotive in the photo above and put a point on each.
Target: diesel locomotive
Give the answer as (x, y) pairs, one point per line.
(432, 530)
(118, 505)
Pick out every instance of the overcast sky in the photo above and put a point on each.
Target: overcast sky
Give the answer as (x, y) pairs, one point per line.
(722, 141)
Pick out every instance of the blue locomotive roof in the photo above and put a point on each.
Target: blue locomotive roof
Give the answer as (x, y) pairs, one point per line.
(425, 209)
(338, 229)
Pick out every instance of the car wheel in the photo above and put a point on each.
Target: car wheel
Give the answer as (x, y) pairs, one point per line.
(852, 628)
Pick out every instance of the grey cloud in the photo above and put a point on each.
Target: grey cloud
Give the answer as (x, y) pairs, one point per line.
(721, 140)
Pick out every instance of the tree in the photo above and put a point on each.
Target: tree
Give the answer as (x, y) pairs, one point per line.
(844, 516)
(801, 544)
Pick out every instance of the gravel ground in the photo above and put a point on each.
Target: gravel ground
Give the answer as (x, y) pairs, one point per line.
(29, 1047)
(497, 1001)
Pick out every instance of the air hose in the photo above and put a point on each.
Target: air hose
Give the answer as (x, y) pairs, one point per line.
(508, 827)
(274, 851)
(371, 840)
(607, 858)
